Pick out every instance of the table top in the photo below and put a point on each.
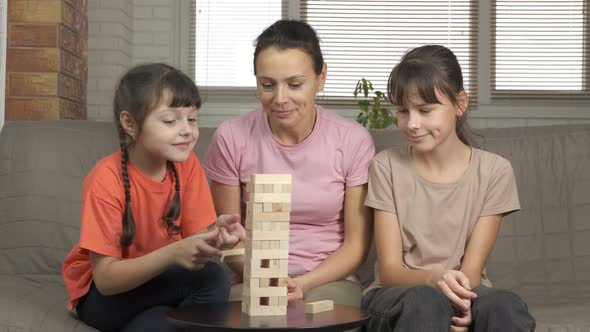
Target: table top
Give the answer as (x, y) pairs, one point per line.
(229, 317)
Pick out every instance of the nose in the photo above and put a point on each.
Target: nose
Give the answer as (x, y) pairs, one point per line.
(186, 128)
(413, 120)
(280, 95)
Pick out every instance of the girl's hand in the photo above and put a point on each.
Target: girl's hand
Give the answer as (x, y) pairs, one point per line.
(231, 231)
(462, 320)
(455, 285)
(194, 252)
(294, 290)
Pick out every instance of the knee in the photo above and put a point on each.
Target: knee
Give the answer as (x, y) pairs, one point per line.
(426, 300)
(217, 278)
(498, 302)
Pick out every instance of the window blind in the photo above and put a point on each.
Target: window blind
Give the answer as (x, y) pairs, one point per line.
(540, 49)
(367, 38)
(222, 36)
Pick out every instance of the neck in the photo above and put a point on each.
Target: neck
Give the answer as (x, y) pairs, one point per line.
(445, 163)
(154, 169)
(296, 134)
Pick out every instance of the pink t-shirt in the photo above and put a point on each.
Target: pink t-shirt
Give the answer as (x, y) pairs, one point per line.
(334, 156)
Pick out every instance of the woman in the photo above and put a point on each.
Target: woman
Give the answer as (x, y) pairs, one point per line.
(326, 154)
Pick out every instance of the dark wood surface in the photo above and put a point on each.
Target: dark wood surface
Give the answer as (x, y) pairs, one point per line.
(229, 317)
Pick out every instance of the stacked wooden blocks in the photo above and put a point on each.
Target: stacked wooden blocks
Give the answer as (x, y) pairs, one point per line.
(267, 246)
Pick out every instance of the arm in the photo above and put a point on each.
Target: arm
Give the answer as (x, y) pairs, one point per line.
(226, 199)
(114, 275)
(357, 235)
(479, 246)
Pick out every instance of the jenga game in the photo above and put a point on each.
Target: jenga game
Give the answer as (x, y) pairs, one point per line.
(267, 245)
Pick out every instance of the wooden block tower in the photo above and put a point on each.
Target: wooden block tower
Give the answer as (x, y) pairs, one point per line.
(267, 245)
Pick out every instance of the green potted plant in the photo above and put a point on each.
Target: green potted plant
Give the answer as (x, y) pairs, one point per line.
(373, 113)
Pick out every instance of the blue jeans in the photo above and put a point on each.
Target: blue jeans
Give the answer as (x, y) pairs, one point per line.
(145, 308)
(423, 308)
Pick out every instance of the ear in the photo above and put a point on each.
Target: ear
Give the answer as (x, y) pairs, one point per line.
(462, 103)
(128, 124)
(322, 77)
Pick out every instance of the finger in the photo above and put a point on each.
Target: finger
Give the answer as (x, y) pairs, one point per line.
(465, 283)
(461, 321)
(457, 301)
(198, 267)
(459, 328)
(208, 235)
(458, 289)
(227, 219)
(207, 250)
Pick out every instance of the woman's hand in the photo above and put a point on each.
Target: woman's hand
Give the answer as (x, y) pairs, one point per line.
(294, 290)
(194, 252)
(455, 285)
(231, 231)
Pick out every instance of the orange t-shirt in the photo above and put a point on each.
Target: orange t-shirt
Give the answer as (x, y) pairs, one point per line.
(103, 205)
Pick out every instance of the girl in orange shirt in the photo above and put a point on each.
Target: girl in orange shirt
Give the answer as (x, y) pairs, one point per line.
(145, 241)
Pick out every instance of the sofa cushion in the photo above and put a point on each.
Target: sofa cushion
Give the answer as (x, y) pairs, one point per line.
(36, 304)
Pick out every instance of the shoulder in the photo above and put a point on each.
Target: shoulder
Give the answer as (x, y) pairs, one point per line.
(393, 157)
(105, 179)
(343, 128)
(241, 125)
(189, 168)
(491, 163)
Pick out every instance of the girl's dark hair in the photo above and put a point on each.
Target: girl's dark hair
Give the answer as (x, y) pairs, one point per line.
(427, 69)
(138, 92)
(288, 34)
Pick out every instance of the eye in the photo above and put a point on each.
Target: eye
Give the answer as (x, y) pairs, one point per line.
(266, 86)
(401, 110)
(425, 110)
(192, 119)
(168, 121)
(295, 85)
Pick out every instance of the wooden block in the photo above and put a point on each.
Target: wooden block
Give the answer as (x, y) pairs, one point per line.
(265, 292)
(273, 301)
(250, 272)
(268, 188)
(278, 188)
(270, 216)
(252, 282)
(274, 244)
(266, 311)
(270, 197)
(270, 254)
(267, 207)
(284, 245)
(270, 178)
(232, 252)
(257, 207)
(284, 226)
(286, 207)
(286, 188)
(282, 300)
(275, 234)
(263, 283)
(32, 84)
(319, 306)
(265, 244)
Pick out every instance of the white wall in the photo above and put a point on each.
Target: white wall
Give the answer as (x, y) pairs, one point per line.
(3, 37)
(110, 52)
(156, 30)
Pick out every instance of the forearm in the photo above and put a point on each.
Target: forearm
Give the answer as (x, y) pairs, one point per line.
(474, 276)
(339, 265)
(122, 275)
(405, 277)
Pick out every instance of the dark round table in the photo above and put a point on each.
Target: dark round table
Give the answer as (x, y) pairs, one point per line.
(229, 317)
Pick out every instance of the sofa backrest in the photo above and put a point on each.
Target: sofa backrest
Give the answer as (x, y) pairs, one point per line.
(545, 245)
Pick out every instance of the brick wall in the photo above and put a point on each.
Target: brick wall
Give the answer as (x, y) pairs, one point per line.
(46, 64)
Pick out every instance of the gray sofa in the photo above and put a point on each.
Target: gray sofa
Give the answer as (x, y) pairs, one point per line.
(543, 252)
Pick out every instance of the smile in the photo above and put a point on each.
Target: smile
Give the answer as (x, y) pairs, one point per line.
(182, 146)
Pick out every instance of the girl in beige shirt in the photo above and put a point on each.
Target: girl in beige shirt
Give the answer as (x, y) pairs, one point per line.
(438, 204)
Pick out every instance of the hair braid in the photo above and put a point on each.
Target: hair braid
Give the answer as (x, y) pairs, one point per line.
(174, 211)
(128, 229)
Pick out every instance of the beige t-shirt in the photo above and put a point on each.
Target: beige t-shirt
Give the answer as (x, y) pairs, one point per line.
(436, 220)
